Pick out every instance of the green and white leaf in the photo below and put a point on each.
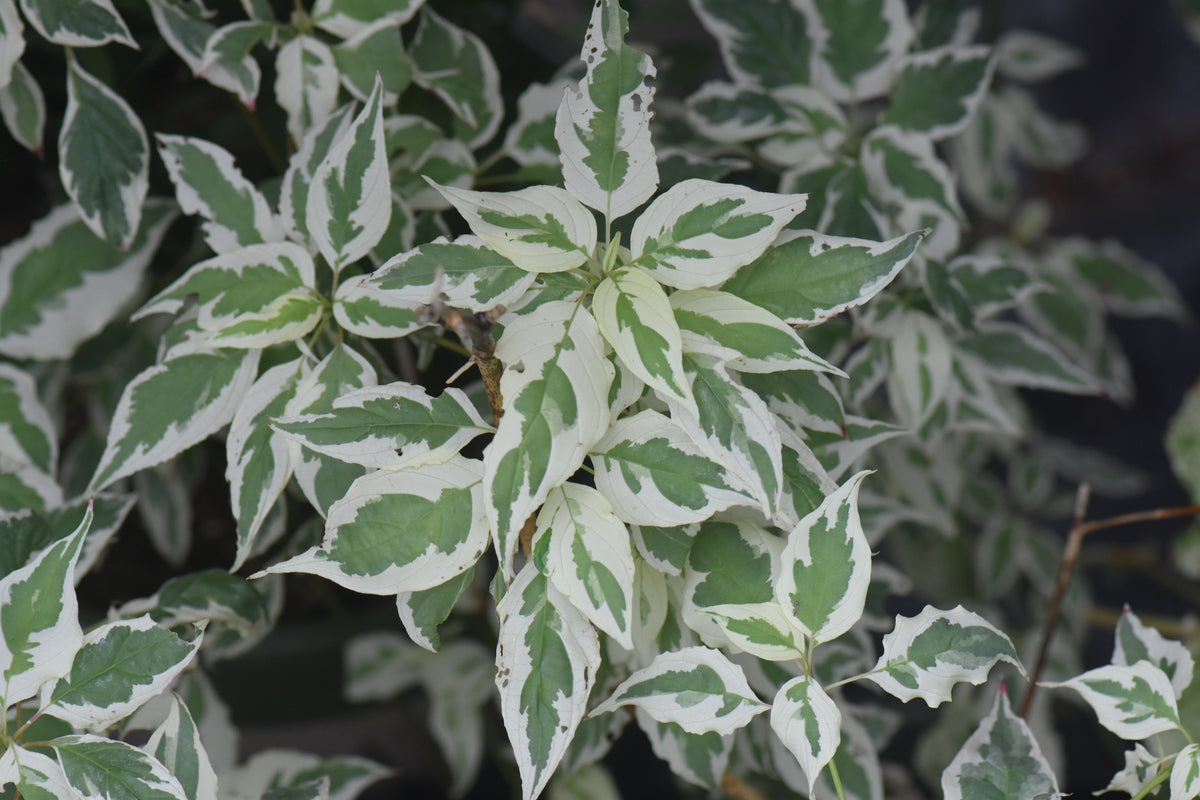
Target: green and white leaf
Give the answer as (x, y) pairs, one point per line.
(696, 688)
(922, 363)
(1014, 355)
(422, 612)
(249, 298)
(937, 91)
(858, 45)
(345, 18)
(390, 427)
(208, 183)
(1128, 284)
(74, 24)
(1185, 773)
(546, 663)
(665, 548)
(36, 775)
(206, 386)
(583, 548)
(306, 83)
(1030, 57)
(12, 41)
(381, 664)
(23, 108)
(39, 624)
(698, 233)
(401, 530)
(103, 157)
(375, 50)
(729, 562)
(801, 400)
(456, 65)
(177, 744)
(1001, 758)
(459, 688)
(1134, 702)
(924, 656)
(813, 277)
(635, 316)
(765, 44)
(654, 474)
(27, 433)
(603, 123)
(350, 199)
(539, 228)
(277, 770)
(1135, 641)
(98, 769)
(310, 152)
(809, 723)
(529, 139)
(1140, 768)
(746, 337)
(120, 666)
(225, 59)
(555, 385)
(761, 629)
(699, 759)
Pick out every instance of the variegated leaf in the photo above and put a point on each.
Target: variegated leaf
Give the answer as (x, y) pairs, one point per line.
(27, 433)
(654, 474)
(539, 228)
(1128, 284)
(258, 461)
(12, 41)
(761, 629)
(177, 744)
(456, 65)
(1029, 57)
(665, 548)
(746, 337)
(924, 656)
(375, 50)
(186, 31)
(92, 763)
(401, 530)
(349, 201)
(635, 316)
(459, 689)
(1001, 758)
(584, 549)
(120, 666)
(1134, 702)
(857, 765)
(700, 759)
(422, 612)
(555, 386)
(1013, 354)
(310, 152)
(39, 626)
(74, 24)
(731, 562)
(858, 45)
(696, 688)
(206, 386)
(1185, 773)
(809, 723)
(345, 18)
(381, 664)
(389, 427)
(603, 123)
(1136, 642)
(920, 376)
(813, 277)
(208, 183)
(36, 775)
(280, 770)
(23, 108)
(1141, 767)
(529, 139)
(699, 233)
(728, 112)
(546, 662)
(306, 83)
(764, 44)
(104, 158)
(937, 91)
(825, 568)
(249, 298)
(226, 60)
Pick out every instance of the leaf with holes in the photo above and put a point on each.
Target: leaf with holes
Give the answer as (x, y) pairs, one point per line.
(1001, 758)
(808, 723)
(603, 123)
(924, 656)
(1134, 702)
(555, 384)
(401, 530)
(696, 688)
(546, 662)
(456, 65)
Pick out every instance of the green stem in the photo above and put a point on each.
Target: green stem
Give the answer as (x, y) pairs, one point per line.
(837, 780)
(1159, 779)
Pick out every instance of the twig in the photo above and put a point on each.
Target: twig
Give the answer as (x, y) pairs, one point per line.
(1080, 529)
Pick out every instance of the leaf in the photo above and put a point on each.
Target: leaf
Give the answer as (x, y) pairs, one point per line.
(761, 629)
(699, 759)
(310, 152)
(120, 666)
(809, 723)
(104, 157)
(924, 656)
(826, 567)
(746, 337)
(696, 688)
(922, 363)
(36, 775)
(529, 139)
(456, 65)
(764, 44)
(814, 277)
(1001, 757)
(698, 233)
(937, 91)
(23, 107)
(375, 50)
(555, 384)
(176, 743)
(422, 612)
(1128, 284)
(1135, 642)
(12, 41)
(349, 201)
(1014, 355)
(185, 30)
(1134, 702)
(77, 24)
(546, 662)
(1029, 57)
(27, 432)
(583, 548)
(539, 228)
(654, 474)
(208, 183)
(102, 768)
(730, 562)
(665, 548)
(459, 689)
(858, 45)
(206, 388)
(249, 298)
(635, 316)
(258, 461)
(400, 530)
(306, 84)
(1140, 768)
(342, 777)
(226, 61)
(603, 123)
(390, 427)
(345, 18)
(39, 626)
